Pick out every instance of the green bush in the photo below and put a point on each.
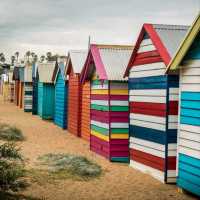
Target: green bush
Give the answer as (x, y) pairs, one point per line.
(75, 165)
(10, 133)
(11, 168)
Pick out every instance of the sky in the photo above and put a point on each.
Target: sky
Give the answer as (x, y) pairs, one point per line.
(60, 25)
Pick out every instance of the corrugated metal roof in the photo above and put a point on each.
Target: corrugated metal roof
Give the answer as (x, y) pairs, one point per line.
(46, 71)
(28, 74)
(185, 45)
(78, 58)
(115, 59)
(171, 36)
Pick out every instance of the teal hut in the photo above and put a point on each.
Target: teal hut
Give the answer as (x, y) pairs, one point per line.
(61, 88)
(46, 91)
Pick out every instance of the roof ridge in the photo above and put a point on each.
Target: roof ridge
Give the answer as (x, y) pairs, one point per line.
(170, 26)
(114, 46)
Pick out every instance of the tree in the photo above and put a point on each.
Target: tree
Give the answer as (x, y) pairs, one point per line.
(49, 56)
(2, 58)
(42, 58)
(12, 60)
(35, 58)
(17, 55)
(28, 54)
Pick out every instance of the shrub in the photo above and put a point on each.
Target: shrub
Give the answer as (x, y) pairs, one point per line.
(10, 133)
(11, 168)
(76, 165)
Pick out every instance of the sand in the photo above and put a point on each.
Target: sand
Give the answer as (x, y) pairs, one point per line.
(119, 181)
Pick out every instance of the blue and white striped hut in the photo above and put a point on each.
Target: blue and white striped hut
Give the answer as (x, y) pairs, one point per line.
(187, 61)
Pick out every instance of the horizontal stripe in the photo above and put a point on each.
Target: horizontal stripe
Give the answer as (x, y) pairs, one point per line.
(118, 92)
(188, 135)
(150, 125)
(100, 102)
(148, 118)
(190, 79)
(159, 175)
(148, 99)
(149, 73)
(99, 135)
(146, 48)
(190, 120)
(98, 129)
(119, 108)
(119, 125)
(190, 104)
(193, 96)
(120, 130)
(190, 112)
(99, 91)
(190, 87)
(195, 145)
(111, 97)
(119, 136)
(148, 67)
(153, 161)
(119, 103)
(188, 151)
(146, 42)
(152, 147)
(190, 128)
(153, 92)
(99, 107)
(152, 134)
(100, 124)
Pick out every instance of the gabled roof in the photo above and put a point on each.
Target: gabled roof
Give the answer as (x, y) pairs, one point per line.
(166, 39)
(185, 45)
(110, 61)
(76, 60)
(59, 67)
(45, 71)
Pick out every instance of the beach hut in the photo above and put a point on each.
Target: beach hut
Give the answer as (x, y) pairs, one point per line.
(109, 116)
(61, 87)
(46, 91)
(16, 85)
(35, 78)
(28, 88)
(153, 100)
(74, 66)
(21, 87)
(187, 61)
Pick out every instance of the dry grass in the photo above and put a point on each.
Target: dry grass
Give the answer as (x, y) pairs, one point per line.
(10, 133)
(70, 166)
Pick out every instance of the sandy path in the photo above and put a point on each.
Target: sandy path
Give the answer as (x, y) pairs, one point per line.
(118, 182)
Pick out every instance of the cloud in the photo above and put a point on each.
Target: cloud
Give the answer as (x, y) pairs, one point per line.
(49, 25)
